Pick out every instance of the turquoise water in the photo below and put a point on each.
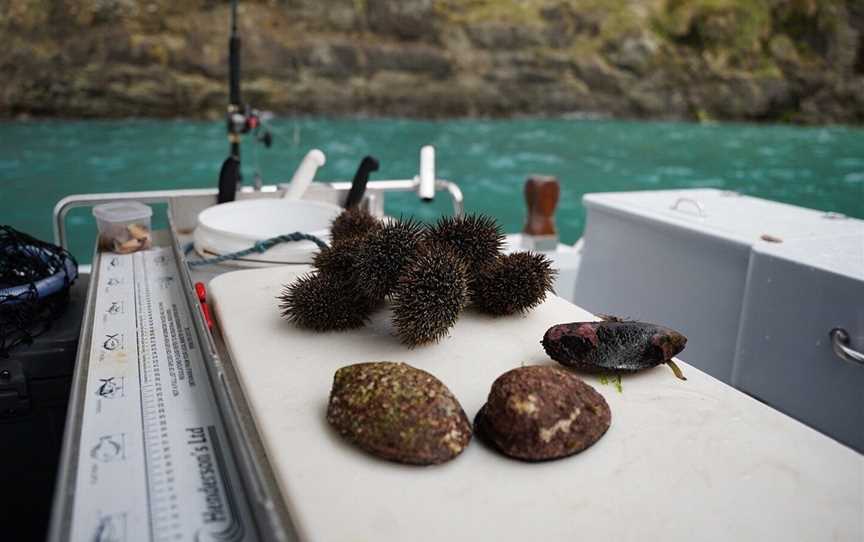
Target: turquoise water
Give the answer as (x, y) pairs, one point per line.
(821, 168)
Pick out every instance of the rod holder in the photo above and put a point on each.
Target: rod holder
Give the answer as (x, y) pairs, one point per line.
(426, 187)
(305, 173)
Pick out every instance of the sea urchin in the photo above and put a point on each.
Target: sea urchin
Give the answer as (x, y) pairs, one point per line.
(322, 302)
(340, 258)
(431, 292)
(477, 239)
(512, 283)
(354, 222)
(383, 255)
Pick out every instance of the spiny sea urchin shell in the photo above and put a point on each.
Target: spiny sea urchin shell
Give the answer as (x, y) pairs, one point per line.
(383, 255)
(475, 238)
(512, 283)
(354, 222)
(340, 258)
(431, 292)
(322, 302)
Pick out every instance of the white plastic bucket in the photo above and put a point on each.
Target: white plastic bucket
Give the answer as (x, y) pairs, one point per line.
(235, 226)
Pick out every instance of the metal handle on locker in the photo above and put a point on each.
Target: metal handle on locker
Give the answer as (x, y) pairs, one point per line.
(699, 208)
(840, 344)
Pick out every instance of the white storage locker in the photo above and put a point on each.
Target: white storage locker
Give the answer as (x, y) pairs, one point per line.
(681, 257)
(797, 292)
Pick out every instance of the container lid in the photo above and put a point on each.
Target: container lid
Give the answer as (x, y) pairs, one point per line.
(843, 255)
(725, 214)
(122, 211)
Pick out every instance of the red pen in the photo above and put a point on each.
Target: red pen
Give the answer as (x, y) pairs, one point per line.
(201, 292)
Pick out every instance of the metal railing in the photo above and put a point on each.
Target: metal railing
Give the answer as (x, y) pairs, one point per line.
(62, 208)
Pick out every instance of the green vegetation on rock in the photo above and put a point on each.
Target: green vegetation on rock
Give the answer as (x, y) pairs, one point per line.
(784, 60)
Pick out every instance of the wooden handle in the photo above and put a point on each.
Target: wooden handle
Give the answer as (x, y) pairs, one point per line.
(541, 196)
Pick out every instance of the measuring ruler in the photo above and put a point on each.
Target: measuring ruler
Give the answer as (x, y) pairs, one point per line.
(154, 462)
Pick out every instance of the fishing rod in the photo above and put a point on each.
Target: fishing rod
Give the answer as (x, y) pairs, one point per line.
(240, 119)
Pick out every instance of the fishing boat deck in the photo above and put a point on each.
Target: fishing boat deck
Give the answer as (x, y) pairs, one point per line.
(682, 459)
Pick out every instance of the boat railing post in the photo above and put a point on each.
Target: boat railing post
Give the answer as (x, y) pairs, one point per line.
(455, 195)
(66, 204)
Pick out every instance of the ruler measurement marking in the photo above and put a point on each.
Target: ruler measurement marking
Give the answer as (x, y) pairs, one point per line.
(158, 445)
(188, 487)
(140, 344)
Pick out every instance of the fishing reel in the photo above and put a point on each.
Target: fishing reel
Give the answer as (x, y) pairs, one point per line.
(250, 121)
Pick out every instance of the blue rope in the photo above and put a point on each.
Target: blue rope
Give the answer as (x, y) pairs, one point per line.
(259, 247)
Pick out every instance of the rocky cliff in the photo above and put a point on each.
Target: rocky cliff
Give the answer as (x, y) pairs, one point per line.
(779, 60)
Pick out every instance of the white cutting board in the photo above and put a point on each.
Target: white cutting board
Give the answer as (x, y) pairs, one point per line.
(694, 460)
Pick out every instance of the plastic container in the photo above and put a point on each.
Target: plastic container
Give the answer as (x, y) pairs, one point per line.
(124, 226)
